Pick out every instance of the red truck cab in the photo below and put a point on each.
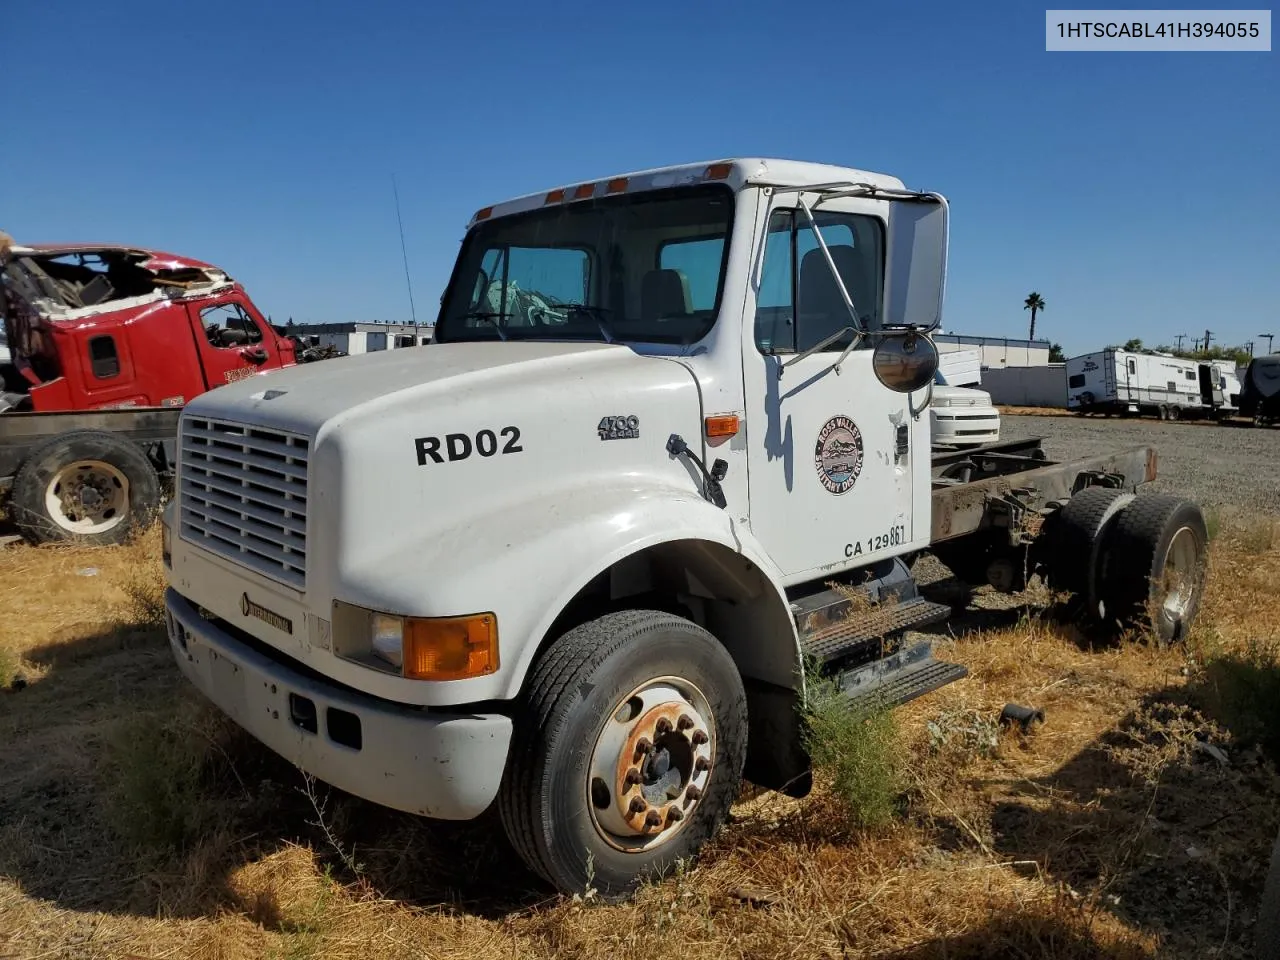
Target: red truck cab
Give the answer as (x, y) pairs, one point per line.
(99, 326)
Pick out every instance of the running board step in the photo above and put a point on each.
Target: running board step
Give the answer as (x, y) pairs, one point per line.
(861, 633)
(900, 678)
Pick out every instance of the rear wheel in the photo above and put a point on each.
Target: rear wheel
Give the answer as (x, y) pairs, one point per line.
(1079, 529)
(627, 754)
(1154, 565)
(88, 487)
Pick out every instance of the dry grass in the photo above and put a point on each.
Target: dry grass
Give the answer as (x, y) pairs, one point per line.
(134, 823)
(1016, 411)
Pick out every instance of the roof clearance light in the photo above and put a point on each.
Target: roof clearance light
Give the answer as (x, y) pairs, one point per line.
(585, 192)
(617, 185)
(718, 171)
(483, 214)
(555, 196)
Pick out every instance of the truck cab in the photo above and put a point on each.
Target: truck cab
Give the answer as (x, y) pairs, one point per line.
(577, 557)
(96, 327)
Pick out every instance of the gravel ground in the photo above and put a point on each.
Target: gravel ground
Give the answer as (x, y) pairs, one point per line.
(1220, 467)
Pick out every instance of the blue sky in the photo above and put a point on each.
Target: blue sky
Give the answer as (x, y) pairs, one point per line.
(1136, 192)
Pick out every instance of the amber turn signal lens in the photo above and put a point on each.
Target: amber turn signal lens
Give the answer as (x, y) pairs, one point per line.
(718, 171)
(452, 648)
(723, 426)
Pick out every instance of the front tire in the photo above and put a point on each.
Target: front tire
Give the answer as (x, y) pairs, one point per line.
(628, 752)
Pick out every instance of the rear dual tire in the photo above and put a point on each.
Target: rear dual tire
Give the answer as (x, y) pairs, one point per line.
(1137, 562)
(628, 751)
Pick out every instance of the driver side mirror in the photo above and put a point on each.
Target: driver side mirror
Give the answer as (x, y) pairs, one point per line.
(916, 265)
(905, 363)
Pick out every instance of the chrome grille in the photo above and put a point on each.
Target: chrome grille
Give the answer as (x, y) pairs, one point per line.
(244, 495)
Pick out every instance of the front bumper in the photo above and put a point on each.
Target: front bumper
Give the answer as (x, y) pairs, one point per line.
(444, 765)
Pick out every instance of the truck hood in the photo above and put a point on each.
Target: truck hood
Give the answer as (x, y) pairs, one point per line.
(303, 398)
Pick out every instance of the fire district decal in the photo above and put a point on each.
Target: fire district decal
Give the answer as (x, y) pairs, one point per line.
(838, 455)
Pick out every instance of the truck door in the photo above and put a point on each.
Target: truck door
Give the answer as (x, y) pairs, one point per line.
(830, 454)
(233, 343)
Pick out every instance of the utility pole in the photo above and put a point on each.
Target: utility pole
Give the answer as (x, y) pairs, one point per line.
(1180, 337)
(1208, 335)
(1269, 337)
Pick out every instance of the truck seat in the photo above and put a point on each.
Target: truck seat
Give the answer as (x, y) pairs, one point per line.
(664, 295)
(821, 310)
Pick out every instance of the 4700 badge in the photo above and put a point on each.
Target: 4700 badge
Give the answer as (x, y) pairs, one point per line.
(895, 536)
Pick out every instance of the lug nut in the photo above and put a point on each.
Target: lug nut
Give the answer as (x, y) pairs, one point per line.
(663, 725)
(675, 814)
(637, 805)
(694, 793)
(685, 722)
(699, 737)
(653, 819)
(643, 746)
(633, 777)
(702, 765)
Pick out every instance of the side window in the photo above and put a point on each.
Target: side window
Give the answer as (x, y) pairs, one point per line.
(1077, 380)
(799, 303)
(775, 315)
(520, 283)
(698, 262)
(1133, 366)
(104, 361)
(228, 326)
(1190, 375)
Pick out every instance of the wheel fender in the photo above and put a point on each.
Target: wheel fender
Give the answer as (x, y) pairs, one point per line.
(526, 561)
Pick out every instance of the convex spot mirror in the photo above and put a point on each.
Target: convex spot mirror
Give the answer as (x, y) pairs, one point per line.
(905, 363)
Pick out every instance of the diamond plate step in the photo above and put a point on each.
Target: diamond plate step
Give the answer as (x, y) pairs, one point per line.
(862, 632)
(900, 678)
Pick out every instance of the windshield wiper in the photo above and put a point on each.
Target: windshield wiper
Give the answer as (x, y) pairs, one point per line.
(597, 313)
(491, 318)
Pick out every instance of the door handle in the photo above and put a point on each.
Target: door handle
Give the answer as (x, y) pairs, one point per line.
(254, 354)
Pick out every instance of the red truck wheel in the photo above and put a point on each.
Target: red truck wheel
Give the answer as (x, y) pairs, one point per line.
(86, 487)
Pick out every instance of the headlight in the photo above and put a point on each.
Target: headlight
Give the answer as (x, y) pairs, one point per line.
(387, 636)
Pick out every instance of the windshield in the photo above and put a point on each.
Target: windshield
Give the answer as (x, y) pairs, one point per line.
(634, 267)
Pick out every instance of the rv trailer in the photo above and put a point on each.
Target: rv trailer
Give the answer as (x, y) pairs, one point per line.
(1151, 384)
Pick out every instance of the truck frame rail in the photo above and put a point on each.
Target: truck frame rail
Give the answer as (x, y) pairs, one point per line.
(1001, 485)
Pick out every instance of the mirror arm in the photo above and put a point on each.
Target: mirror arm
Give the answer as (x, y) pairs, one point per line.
(857, 335)
(928, 400)
(831, 264)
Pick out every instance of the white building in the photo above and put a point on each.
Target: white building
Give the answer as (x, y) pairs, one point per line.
(353, 338)
(997, 352)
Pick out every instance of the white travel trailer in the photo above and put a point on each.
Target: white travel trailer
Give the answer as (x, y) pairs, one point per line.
(1153, 384)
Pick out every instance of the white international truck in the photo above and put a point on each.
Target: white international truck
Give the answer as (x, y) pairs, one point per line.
(1125, 382)
(574, 559)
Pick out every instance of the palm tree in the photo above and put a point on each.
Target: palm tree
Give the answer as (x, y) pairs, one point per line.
(1034, 303)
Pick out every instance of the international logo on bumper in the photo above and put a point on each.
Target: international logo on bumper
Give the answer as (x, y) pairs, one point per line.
(251, 609)
(838, 455)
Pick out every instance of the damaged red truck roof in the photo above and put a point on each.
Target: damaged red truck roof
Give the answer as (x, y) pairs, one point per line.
(155, 259)
(94, 325)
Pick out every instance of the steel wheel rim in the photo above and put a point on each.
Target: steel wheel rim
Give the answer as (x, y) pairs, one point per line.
(87, 496)
(1181, 573)
(651, 763)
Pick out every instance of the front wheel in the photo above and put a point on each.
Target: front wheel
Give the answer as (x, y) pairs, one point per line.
(627, 754)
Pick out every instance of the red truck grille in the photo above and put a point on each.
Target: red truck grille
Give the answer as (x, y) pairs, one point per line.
(243, 495)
